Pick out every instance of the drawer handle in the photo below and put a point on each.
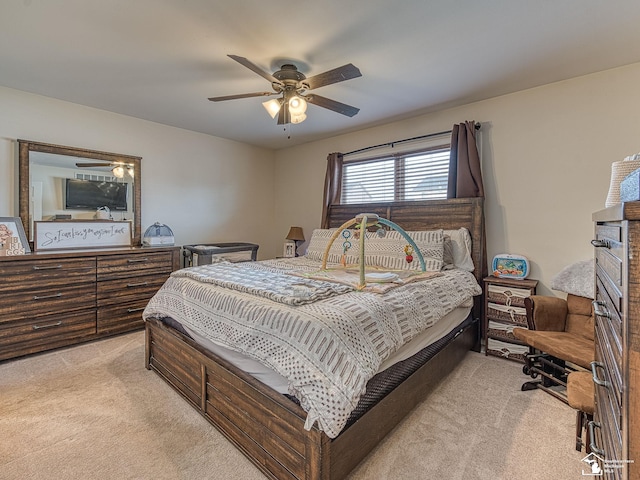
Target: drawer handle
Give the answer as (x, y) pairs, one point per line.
(594, 448)
(137, 260)
(141, 284)
(47, 267)
(594, 372)
(132, 310)
(600, 309)
(38, 327)
(44, 297)
(600, 243)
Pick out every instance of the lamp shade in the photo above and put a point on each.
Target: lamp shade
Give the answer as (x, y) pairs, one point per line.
(272, 106)
(295, 234)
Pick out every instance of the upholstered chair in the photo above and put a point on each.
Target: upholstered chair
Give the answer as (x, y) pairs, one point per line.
(580, 395)
(560, 339)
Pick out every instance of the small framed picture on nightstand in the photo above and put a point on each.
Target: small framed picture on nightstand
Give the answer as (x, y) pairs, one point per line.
(289, 250)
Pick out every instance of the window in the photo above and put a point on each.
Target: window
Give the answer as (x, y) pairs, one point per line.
(421, 175)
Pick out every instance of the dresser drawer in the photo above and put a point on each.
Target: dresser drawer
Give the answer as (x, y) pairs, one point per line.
(123, 266)
(610, 302)
(610, 369)
(608, 321)
(608, 416)
(121, 318)
(22, 275)
(129, 289)
(47, 300)
(507, 295)
(29, 335)
(506, 313)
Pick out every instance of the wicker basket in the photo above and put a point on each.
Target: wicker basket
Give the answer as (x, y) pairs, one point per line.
(619, 170)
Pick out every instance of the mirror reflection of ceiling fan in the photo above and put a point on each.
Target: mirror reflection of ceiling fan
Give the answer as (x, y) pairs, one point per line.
(118, 169)
(293, 86)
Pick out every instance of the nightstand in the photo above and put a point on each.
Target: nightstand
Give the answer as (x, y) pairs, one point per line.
(503, 310)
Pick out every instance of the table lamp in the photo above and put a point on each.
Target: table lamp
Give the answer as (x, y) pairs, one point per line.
(295, 234)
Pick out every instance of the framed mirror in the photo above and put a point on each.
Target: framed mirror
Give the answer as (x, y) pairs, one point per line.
(59, 182)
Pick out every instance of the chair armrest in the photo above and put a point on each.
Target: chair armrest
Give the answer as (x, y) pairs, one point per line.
(546, 313)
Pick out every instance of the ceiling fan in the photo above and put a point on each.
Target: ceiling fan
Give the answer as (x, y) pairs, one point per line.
(293, 85)
(118, 169)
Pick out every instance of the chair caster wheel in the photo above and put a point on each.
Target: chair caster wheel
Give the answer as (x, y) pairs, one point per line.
(526, 370)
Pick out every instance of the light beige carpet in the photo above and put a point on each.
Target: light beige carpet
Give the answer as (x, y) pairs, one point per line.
(94, 412)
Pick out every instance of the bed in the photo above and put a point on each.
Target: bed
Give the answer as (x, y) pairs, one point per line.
(269, 426)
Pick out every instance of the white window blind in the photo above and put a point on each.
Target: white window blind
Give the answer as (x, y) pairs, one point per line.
(417, 175)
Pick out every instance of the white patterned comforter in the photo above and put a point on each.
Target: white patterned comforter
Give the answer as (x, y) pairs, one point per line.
(328, 349)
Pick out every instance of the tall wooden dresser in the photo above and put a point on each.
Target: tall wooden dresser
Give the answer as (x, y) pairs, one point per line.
(50, 300)
(616, 371)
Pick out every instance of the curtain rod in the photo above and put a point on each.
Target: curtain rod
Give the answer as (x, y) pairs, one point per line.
(391, 144)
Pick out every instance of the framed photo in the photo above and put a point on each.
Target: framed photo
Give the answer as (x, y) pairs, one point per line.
(58, 235)
(13, 240)
(289, 250)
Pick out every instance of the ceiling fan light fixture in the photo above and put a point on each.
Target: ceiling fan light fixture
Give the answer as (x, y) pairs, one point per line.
(298, 118)
(118, 171)
(130, 170)
(272, 107)
(297, 106)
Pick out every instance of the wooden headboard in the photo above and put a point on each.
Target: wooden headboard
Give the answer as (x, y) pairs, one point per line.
(428, 215)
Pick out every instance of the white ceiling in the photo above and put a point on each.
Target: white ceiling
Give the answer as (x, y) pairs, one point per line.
(160, 60)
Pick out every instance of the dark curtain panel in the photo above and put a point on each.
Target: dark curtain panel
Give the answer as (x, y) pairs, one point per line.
(332, 185)
(465, 177)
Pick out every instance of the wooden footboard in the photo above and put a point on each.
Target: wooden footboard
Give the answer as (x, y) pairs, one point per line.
(268, 427)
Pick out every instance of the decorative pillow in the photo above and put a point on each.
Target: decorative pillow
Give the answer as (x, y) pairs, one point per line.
(388, 251)
(319, 241)
(461, 243)
(384, 252)
(576, 279)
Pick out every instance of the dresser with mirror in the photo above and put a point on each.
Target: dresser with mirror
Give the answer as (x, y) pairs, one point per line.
(51, 298)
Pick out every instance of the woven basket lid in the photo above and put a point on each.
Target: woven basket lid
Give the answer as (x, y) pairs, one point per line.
(619, 170)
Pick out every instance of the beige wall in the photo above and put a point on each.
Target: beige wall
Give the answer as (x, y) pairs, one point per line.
(546, 153)
(206, 189)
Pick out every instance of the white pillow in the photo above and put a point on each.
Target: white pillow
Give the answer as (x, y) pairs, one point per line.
(388, 251)
(461, 243)
(319, 241)
(385, 252)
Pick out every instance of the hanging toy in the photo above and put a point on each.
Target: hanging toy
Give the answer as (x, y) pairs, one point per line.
(346, 245)
(408, 251)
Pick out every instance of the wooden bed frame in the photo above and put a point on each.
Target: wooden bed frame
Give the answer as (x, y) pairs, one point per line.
(268, 427)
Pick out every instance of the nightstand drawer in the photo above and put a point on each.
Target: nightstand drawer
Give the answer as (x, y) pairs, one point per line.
(502, 330)
(507, 295)
(506, 313)
(511, 351)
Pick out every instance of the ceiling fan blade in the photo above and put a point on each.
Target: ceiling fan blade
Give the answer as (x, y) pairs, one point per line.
(242, 95)
(253, 67)
(340, 74)
(96, 164)
(324, 102)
